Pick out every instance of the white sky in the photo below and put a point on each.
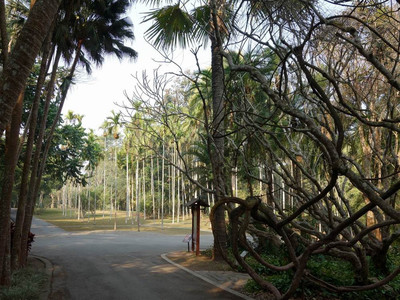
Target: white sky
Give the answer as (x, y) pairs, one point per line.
(94, 95)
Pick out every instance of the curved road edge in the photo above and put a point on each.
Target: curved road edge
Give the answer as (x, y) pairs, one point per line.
(164, 256)
(49, 268)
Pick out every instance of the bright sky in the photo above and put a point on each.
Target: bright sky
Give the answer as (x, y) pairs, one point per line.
(94, 96)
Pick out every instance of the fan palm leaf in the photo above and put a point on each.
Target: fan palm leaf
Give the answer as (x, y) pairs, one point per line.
(171, 26)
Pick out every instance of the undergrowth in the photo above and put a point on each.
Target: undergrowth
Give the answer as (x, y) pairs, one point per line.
(335, 271)
(26, 284)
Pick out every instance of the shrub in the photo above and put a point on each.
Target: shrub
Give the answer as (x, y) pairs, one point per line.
(31, 236)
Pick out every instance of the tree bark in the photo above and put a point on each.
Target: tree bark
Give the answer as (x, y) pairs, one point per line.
(115, 186)
(3, 33)
(218, 131)
(10, 162)
(162, 184)
(22, 57)
(36, 180)
(152, 186)
(137, 196)
(127, 187)
(23, 204)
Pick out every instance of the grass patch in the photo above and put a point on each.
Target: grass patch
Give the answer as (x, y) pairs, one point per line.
(70, 222)
(26, 284)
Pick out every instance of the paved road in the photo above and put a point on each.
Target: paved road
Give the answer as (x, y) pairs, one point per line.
(118, 265)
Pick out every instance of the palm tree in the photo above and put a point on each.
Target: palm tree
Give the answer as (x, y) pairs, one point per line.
(113, 129)
(104, 126)
(16, 52)
(127, 148)
(10, 158)
(173, 25)
(92, 155)
(20, 61)
(99, 30)
(137, 195)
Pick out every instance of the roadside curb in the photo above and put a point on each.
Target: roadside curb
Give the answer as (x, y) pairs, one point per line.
(49, 268)
(164, 256)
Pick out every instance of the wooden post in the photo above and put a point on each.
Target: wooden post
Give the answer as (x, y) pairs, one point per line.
(195, 205)
(193, 236)
(198, 230)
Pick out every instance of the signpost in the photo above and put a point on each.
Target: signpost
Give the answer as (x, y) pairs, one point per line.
(195, 205)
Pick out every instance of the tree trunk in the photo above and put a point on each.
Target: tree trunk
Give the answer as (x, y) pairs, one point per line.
(10, 162)
(178, 197)
(95, 206)
(173, 185)
(218, 131)
(16, 244)
(23, 55)
(162, 186)
(158, 188)
(367, 170)
(137, 196)
(3, 33)
(144, 190)
(132, 196)
(26, 198)
(79, 202)
(152, 187)
(36, 180)
(127, 188)
(183, 198)
(88, 195)
(115, 187)
(111, 202)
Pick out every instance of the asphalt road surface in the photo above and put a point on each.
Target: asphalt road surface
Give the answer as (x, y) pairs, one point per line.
(118, 265)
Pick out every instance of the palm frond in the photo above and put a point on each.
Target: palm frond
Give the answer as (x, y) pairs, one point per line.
(85, 63)
(154, 3)
(172, 26)
(202, 17)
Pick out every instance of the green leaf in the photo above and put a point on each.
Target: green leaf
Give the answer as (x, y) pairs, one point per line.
(171, 27)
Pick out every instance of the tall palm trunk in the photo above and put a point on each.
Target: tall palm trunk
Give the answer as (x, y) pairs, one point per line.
(127, 188)
(158, 188)
(95, 204)
(132, 195)
(137, 196)
(10, 162)
(115, 187)
(179, 195)
(79, 201)
(35, 181)
(23, 55)
(218, 128)
(23, 203)
(104, 175)
(144, 189)
(28, 152)
(162, 186)
(88, 195)
(152, 187)
(183, 198)
(3, 33)
(173, 184)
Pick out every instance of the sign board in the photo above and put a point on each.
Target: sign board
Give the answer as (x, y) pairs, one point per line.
(187, 238)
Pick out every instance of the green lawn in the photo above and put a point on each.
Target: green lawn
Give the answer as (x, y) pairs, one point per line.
(70, 222)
